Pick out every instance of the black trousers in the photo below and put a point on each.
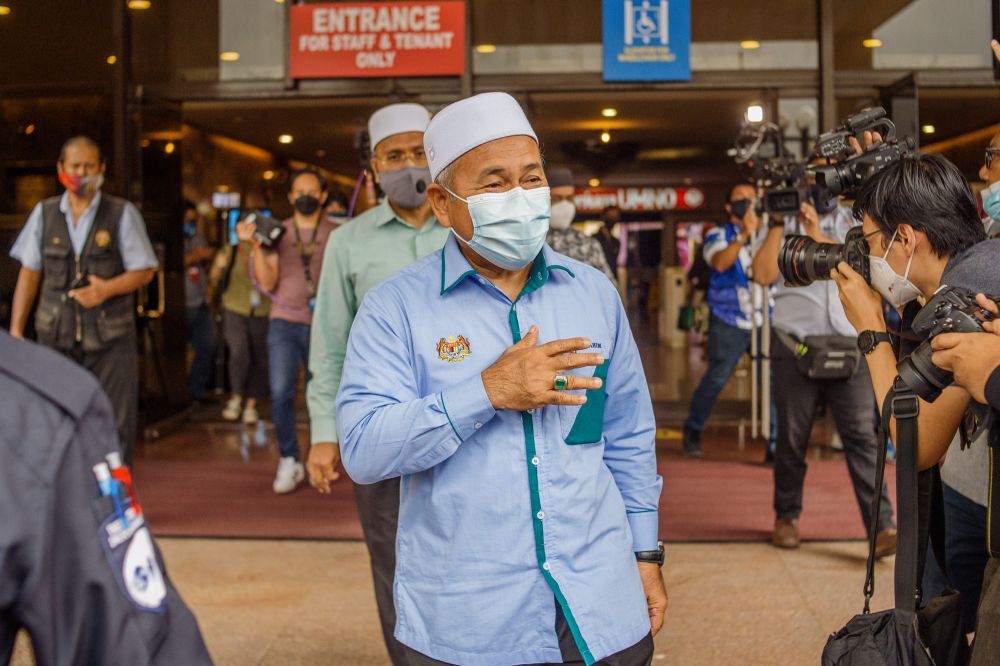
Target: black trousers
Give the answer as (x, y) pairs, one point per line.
(640, 654)
(116, 367)
(378, 509)
(852, 403)
(246, 338)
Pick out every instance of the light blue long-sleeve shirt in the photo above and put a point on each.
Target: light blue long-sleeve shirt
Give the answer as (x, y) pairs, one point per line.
(503, 514)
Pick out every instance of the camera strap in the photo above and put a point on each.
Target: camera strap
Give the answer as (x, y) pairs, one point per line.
(305, 251)
(993, 512)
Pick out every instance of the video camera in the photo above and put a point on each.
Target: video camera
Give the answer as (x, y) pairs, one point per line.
(950, 310)
(269, 230)
(845, 177)
(760, 153)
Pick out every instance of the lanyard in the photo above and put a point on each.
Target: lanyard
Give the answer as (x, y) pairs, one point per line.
(305, 254)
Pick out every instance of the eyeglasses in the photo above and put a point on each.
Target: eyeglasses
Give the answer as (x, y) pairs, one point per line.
(990, 152)
(397, 157)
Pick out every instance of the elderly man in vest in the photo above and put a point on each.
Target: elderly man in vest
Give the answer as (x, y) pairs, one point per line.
(88, 253)
(500, 381)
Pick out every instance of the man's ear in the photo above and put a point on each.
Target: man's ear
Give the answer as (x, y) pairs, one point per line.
(438, 198)
(907, 236)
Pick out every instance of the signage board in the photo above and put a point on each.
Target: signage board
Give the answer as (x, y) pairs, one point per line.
(647, 40)
(375, 39)
(639, 199)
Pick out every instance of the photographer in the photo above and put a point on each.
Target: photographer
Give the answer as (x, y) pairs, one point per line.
(923, 231)
(289, 272)
(812, 317)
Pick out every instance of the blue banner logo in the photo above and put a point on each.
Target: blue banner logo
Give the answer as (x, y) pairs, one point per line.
(647, 40)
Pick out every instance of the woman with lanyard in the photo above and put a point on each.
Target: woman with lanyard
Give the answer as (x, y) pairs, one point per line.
(289, 272)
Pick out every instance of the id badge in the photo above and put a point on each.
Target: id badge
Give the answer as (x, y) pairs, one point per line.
(254, 298)
(312, 305)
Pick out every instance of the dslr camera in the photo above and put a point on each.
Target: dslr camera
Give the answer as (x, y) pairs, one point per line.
(269, 230)
(802, 260)
(848, 174)
(950, 310)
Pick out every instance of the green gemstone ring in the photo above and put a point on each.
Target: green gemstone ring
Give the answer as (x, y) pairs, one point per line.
(560, 383)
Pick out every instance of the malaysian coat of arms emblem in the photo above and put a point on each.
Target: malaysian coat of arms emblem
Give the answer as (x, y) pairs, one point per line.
(453, 348)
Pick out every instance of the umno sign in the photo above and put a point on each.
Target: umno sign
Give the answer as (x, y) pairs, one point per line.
(373, 39)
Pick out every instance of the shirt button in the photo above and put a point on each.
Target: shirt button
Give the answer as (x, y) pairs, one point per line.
(477, 425)
(531, 411)
(534, 461)
(540, 515)
(545, 565)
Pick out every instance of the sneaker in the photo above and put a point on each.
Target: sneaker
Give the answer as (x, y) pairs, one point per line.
(692, 443)
(250, 415)
(786, 533)
(231, 412)
(885, 543)
(289, 476)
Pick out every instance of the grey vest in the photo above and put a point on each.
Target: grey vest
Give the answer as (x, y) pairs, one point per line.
(60, 321)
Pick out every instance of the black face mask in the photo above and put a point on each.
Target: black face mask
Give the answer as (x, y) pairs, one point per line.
(739, 208)
(307, 204)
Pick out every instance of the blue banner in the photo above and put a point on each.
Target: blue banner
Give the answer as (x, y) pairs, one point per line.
(647, 40)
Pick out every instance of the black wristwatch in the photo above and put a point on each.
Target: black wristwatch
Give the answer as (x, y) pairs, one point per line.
(869, 340)
(653, 556)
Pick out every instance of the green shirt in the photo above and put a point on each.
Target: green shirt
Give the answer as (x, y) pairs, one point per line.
(239, 294)
(358, 256)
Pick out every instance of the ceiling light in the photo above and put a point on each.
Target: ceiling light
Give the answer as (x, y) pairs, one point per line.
(269, 175)
(285, 138)
(229, 56)
(605, 137)
(321, 153)
(928, 129)
(486, 48)
(871, 43)
(280, 2)
(29, 129)
(112, 59)
(169, 148)
(755, 113)
(4, 10)
(609, 112)
(594, 182)
(749, 44)
(144, 143)
(139, 4)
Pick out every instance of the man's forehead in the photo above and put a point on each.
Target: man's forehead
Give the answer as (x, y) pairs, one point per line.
(306, 181)
(512, 153)
(81, 153)
(403, 141)
(742, 192)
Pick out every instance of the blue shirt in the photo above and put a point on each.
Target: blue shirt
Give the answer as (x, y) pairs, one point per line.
(503, 514)
(133, 243)
(815, 309)
(729, 290)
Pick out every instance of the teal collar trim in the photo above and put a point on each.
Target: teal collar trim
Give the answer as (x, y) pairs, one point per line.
(455, 268)
(386, 214)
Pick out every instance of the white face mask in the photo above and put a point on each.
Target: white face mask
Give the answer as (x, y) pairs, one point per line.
(509, 227)
(563, 214)
(897, 289)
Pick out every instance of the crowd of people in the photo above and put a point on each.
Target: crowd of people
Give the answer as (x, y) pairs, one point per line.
(469, 363)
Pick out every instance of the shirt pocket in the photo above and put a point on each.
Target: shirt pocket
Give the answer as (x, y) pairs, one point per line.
(102, 262)
(55, 263)
(585, 424)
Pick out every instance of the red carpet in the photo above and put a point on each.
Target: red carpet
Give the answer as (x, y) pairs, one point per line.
(701, 501)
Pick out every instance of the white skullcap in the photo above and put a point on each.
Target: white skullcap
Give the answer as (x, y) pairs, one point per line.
(471, 122)
(396, 119)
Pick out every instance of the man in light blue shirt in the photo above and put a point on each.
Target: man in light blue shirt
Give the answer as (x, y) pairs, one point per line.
(501, 382)
(86, 253)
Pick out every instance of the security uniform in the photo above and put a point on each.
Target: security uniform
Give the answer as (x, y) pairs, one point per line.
(86, 590)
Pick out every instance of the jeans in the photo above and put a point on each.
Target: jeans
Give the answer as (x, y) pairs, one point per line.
(201, 337)
(965, 550)
(287, 347)
(726, 344)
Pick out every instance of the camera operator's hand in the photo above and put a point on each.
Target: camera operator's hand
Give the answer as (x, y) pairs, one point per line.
(862, 304)
(870, 139)
(809, 219)
(972, 357)
(750, 221)
(995, 45)
(245, 230)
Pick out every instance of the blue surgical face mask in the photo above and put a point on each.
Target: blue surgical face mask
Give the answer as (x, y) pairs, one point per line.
(509, 228)
(991, 200)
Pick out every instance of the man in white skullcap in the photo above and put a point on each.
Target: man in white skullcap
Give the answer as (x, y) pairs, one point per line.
(500, 382)
(362, 253)
(562, 237)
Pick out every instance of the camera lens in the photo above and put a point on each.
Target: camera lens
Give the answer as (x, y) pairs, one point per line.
(923, 377)
(802, 260)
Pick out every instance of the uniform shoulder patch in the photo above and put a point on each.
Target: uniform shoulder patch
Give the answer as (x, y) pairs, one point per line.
(453, 348)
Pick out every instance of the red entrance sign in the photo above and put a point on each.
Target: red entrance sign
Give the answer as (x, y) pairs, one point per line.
(640, 199)
(370, 39)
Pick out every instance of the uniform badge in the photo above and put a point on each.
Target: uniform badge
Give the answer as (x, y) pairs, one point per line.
(453, 349)
(102, 238)
(55, 240)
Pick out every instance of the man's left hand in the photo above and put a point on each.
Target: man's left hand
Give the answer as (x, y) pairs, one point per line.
(862, 304)
(656, 594)
(93, 294)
